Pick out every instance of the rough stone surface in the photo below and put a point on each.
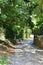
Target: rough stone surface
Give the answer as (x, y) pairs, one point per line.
(27, 55)
(38, 40)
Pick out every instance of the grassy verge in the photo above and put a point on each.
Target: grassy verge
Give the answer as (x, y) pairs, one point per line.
(3, 59)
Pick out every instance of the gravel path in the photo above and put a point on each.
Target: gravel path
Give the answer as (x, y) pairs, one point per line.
(26, 54)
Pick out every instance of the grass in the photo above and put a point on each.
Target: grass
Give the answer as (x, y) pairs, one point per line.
(3, 59)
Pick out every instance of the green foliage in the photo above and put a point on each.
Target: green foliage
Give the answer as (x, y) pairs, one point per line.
(3, 58)
(15, 16)
(38, 29)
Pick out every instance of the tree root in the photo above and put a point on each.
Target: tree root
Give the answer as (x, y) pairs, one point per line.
(7, 43)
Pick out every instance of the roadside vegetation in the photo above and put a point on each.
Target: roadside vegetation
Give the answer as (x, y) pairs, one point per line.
(19, 19)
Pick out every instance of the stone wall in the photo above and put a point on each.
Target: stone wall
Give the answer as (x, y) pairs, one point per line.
(38, 41)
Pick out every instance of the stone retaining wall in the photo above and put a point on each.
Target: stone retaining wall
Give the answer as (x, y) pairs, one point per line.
(38, 40)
